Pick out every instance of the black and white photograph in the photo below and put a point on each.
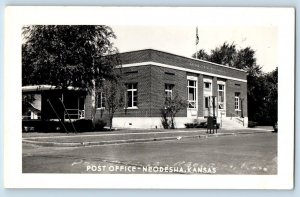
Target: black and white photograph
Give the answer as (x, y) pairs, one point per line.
(170, 100)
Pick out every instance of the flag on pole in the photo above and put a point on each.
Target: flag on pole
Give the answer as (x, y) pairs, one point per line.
(197, 37)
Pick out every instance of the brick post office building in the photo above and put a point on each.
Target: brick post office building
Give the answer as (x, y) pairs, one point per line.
(151, 75)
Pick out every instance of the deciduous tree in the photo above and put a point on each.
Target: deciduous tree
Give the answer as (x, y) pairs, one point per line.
(68, 55)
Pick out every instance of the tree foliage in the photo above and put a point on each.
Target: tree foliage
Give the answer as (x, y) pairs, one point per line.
(263, 98)
(68, 55)
(228, 55)
(261, 87)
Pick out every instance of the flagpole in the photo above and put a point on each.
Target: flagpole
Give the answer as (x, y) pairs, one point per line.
(197, 41)
(196, 51)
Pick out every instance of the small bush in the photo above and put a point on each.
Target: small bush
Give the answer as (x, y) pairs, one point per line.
(196, 125)
(83, 125)
(164, 119)
(189, 125)
(252, 124)
(99, 125)
(202, 125)
(40, 126)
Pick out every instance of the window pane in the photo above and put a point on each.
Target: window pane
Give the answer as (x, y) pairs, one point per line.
(167, 87)
(192, 83)
(236, 103)
(131, 94)
(191, 94)
(168, 90)
(168, 94)
(221, 106)
(192, 104)
(207, 85)
(221, 96)
(103, 101)
(134, 86)
(135, 95)
(129, 99)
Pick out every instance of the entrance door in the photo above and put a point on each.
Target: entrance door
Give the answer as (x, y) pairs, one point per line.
(207, 97)
(206, 106)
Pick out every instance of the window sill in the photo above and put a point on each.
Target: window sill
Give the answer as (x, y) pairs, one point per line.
(131, 108)
(102, 108)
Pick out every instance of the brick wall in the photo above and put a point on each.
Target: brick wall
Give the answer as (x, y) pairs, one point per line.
(141, 76)
(200, 96)
(161, 76)
(232, 87)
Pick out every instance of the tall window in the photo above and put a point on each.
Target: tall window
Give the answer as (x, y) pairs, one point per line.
(100, 100)
(237, 101)
(192, 87)
(221, 95)
(168, 91)
(132, 95)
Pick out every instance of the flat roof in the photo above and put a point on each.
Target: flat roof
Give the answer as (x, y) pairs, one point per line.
(200, 60)
(37, 88)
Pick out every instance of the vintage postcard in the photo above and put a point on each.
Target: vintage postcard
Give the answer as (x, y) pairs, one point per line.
(144, 97)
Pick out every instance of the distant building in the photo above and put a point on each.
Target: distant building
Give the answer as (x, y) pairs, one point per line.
(46, 102)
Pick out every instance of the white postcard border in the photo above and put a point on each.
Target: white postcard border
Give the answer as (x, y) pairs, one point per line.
(16, 17)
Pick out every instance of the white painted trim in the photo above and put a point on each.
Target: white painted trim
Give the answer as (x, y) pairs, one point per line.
(221, 82)
(192, 78)
(182, 69)
(100, 108)
(134, 107)
(207, 80)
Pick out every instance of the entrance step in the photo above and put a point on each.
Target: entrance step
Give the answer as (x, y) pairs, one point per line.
(232, 123)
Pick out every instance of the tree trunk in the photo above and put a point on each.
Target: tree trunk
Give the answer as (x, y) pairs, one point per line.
(93, 101)
(110, 121)
(172, 122)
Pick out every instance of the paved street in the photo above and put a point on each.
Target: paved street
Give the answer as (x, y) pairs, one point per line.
(233, 154)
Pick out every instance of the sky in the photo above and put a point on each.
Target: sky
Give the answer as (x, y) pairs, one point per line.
(181, 40)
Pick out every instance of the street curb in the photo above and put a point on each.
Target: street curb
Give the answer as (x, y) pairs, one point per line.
(112, 142)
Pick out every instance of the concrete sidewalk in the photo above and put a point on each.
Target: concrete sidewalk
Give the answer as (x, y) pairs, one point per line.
(126, 136)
